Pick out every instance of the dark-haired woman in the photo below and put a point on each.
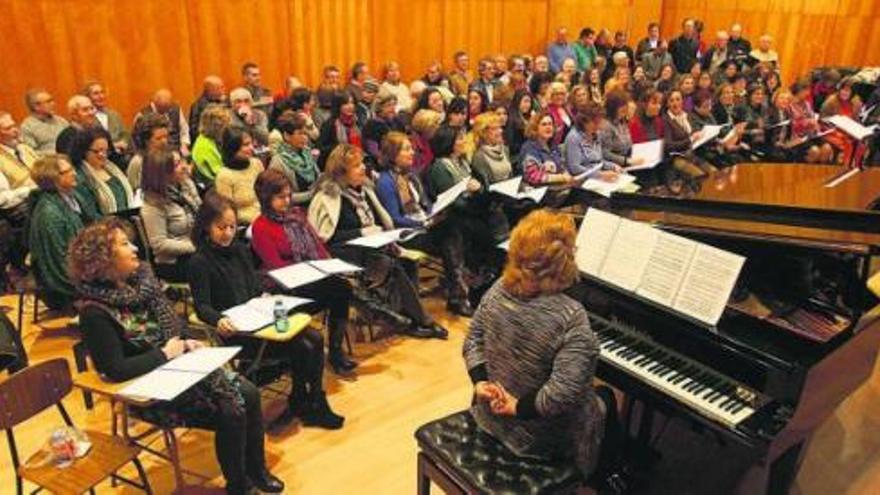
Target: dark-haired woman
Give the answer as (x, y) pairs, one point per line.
(130, 329)
(151, 134)
(583, 148)
(476, 104)
(518, 115)
(614, 130)
(241, 168)
(102, 188)
(169, 212)
(384, 121)
(222, 275)
(282, 236)
(678, 136)
(293, 157)
(341, 127)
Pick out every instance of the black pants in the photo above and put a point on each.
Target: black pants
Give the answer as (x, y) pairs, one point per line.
(174, 272)
(334, 295)
(302, 356)
(239, 442)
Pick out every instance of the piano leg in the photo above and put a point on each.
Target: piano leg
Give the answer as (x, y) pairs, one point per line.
(774, 477)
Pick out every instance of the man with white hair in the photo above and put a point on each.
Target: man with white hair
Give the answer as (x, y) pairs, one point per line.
(163, 104)
(247, 117)
(739, 47)
(81, 111)
(41, 128)
(213, 92)
(394, 86)
(107, 117)
(16, 185)
(716, 56)
(764, 53)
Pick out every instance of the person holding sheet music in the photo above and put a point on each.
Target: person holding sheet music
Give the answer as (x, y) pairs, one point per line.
(583, 148)
(720, 152)
(844, 102)
(344, 208)
(678, 138)
(282, 236)
(130, 328)
(647, 125)
(222, 276)
(400, 192)
(754, 116)
(783, 146)
(614, 131)
(805, 125)
(542, 161)
(491, 164)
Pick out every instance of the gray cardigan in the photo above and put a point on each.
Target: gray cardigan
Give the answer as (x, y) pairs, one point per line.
(616, 142)
(543, 352)
(168, 226)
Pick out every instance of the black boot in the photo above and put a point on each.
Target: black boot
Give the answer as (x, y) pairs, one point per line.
(339, 361)
(297, 405)
(321, 415)
(266, 482)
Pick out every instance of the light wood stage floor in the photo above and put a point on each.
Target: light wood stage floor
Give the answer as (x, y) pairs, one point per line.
(401, 384)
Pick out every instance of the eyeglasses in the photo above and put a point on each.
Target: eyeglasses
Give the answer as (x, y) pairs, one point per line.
(102, 151)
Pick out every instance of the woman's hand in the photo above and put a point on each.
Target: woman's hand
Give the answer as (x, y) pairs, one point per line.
(608, 175)
(192, 345)
(174, 347)
(473, 185)
(505, 403)
(373, 229)
(225, 327)
(487, 391)
(639, 160)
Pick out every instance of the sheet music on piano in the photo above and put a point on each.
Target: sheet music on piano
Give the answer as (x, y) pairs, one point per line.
(687, 276)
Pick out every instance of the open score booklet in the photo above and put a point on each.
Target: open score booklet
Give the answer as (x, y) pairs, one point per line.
(688, 276)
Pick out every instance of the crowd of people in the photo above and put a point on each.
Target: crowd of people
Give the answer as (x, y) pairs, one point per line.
(248, 182)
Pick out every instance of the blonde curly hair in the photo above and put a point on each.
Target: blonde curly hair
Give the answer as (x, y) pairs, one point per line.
(541, 257)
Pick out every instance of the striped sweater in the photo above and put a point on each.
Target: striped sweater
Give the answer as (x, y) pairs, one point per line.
(543, 352)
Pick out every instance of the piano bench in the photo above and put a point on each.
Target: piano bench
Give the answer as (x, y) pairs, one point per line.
(461, 459)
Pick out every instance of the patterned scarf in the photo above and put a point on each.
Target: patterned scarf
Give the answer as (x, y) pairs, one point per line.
(304, 241)
(359, 200)
(404, 190)
(300, 162)
(186, 197)
(347, 131)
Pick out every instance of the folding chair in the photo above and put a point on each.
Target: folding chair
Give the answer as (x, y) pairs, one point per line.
(31, 391)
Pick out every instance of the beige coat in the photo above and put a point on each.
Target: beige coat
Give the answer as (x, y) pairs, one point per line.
(238, 186)
(327, 203)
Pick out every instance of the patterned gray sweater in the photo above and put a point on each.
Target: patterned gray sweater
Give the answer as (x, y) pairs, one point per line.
(543, 352)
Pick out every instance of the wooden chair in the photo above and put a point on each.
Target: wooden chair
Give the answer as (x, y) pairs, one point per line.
(31, 391)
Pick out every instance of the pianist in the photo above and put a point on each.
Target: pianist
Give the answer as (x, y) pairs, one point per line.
(532, 356)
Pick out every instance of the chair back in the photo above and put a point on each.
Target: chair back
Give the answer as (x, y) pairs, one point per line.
(32, 390)
(142, 241)
(12, 353)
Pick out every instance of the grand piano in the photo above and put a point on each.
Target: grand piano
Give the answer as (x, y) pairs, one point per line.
(800, 332)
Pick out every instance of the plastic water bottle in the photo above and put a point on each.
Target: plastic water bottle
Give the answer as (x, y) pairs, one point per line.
(280, 314)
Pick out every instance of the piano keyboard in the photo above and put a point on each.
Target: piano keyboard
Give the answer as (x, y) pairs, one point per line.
(697, 386)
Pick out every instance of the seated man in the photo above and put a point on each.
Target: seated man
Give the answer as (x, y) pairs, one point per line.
(163, 103)
(107, 117)
(213, 92)
(81, 111)
(41, 128)
(253, 79)
(16, 185)
(246, 116)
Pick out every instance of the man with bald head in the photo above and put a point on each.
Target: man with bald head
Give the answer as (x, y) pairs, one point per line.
(83, 114)
(163, 103)
(213, 92)
(719, 54)
(739, 47)
(40, 129)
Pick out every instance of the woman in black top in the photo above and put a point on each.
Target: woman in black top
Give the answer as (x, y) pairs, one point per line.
(520, 111)
(222, 275)
(130, 328)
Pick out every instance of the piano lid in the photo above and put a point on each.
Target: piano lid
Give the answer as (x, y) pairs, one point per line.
(791, 200)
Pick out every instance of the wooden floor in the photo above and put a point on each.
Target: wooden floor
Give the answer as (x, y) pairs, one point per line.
(401, 384)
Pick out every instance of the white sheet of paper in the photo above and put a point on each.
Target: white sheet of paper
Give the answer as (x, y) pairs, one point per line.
(379, 240)
(509, 187)
(605, 188)
(246, 318)
(780, 124)
(851, 127)
(535, 195)
(266, 304)
(651, 152)
(707, 133)
(204, 360)
(448, 197)
(505, 245)
(297, 275)
(137, 199)
(666, 268)
(335, 265)
(590, 171)
(161, 384)
(708, 283)
(628, 254)
(593, 239)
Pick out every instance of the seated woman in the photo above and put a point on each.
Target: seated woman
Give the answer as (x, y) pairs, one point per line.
(384, 121)
(722, 152)
(130, 328)
(424, 124)
(341, 126)
(678, 136)
(169, 213)
(583, 148)
(532, 356)
(345, 207)
(558, 110)
(844, 102)
(492, 164)
(400, 192)
(236, 179)
(294, 158)
(783, 146)
(222, 275)
(518, 115)
(805, 125)
(542, 161)
(56, 218)
(102, 189)
(206, 153)
(614, 131)
(150, 135)
(282, 236)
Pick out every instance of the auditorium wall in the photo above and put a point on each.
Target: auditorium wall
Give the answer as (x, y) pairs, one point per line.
(135, 47)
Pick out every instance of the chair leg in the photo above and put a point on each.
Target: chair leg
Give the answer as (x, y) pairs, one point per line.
(348, 341)
(173, 454)
(143, 475)
(21, 312)
(424, 482)
(79, 358)
(36, 308)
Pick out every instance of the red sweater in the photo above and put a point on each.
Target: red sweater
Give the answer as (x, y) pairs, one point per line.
(271, 244)
(640, 134)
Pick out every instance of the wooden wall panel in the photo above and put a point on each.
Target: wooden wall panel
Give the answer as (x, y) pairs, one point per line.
(137, 47)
